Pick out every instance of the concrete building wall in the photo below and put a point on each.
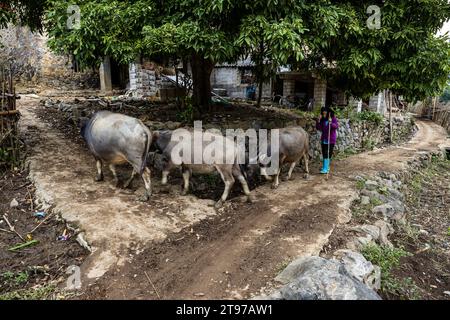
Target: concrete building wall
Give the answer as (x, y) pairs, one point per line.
(229, 78)
(320, 92)
(288, 87)
(377, 104)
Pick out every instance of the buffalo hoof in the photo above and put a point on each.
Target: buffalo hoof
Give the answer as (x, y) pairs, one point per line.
(275, 186)
(184, 192)
(306, 176)
(116, 183)
(250, 199)
(98, 178)
(218, 204)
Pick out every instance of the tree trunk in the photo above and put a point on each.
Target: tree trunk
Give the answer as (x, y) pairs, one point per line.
(260, 74)
(201, 73)
(260, 92)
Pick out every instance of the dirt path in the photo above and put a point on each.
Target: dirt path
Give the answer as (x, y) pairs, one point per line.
(180, 245)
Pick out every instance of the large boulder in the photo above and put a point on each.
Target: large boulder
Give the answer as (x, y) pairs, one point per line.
(316, 278)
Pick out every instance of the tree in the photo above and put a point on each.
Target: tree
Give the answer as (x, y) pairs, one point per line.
(214, 31)
(404, 55)
(107, 28)
(328, 37)
(25, 12)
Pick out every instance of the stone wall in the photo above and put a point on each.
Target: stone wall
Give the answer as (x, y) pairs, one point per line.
(363, 135)
(142, 80)
(35, 63)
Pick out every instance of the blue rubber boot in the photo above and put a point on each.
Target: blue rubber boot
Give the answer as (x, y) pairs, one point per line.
(326, 166)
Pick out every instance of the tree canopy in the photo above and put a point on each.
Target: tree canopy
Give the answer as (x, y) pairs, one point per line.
(329, 37)
(25, 12)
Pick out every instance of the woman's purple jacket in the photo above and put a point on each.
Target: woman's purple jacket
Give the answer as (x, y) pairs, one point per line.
(321, 126)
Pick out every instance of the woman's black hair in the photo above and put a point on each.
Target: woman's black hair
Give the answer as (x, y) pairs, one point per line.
(329, 111)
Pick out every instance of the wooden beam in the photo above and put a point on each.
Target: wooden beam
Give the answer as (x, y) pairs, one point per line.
(9, 113)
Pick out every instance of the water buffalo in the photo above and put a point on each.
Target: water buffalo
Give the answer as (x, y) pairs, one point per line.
(117, 139)
(293, 146)
(228, 170)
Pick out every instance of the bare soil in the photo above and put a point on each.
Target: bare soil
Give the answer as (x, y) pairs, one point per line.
(429, 210)
(180, 247)
(39, 264)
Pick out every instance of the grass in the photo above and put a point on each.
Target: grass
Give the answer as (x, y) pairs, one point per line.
(388, 258)
(417, 182)
(354, 116)
(408, 232)
(15, 278)
(375, 202)
(40, 293)
(383, 190)
(345, 153)
(360, 184)
(361, 212)
(368, 144)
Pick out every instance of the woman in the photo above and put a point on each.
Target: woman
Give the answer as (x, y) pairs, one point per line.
(323, 124)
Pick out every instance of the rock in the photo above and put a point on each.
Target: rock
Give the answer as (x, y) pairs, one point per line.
(14, 203)
(400, 217)
(374, 195)
(360, 268)
(385, 230)
(365, 200)
(173, 125)
(296, 268)
(82, 242)
(358, 242)
(392, 177)
(155, 125)
(386, 210)
(374, 280)
(199, 294)
(320, 279)
(365, 229)
(371, 185)
(395, 194)
(397, 184)
(364, 241)
(446, 293)
(398, 206)
(423, 232)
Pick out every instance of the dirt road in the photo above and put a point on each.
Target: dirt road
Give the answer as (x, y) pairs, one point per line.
(180, 247)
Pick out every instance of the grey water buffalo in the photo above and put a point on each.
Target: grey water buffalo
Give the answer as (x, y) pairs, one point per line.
(224, 161)
(293, 146)
(118, 139)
